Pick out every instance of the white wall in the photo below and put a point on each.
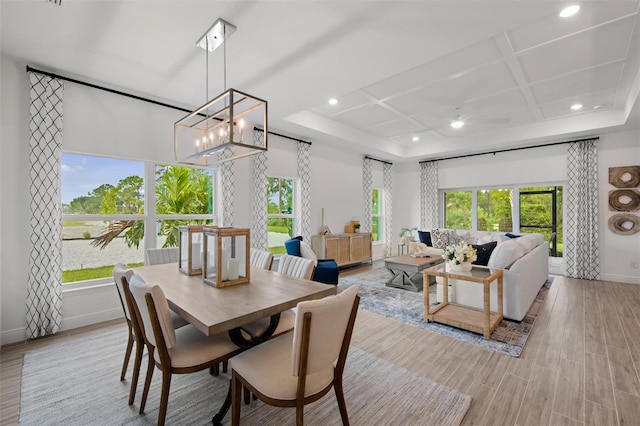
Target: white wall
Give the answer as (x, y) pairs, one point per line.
(107, 124)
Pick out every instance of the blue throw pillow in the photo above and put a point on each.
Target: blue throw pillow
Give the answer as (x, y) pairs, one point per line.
(293, 247)
(425, 237)
(483, 253)
(510, 235)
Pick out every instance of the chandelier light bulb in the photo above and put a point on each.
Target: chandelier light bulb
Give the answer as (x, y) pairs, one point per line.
(456, 124)
(576, 107)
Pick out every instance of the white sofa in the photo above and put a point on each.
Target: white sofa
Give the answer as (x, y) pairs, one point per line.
(524, 261)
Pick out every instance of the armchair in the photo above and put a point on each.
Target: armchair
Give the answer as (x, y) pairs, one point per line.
(326, 269)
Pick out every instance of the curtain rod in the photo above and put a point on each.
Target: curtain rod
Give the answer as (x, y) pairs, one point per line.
(377, 159)
(129, 95)
(509, 149)
(283, 136)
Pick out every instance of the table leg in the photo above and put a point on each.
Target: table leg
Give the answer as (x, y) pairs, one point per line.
(219, 416)
(487, 311)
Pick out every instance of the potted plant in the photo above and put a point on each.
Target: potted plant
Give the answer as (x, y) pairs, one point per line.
(356, 227)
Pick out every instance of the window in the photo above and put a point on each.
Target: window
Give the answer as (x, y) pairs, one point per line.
(280, 212)
(377, 218)
(104, 217)
(457, 210)
(536, 209)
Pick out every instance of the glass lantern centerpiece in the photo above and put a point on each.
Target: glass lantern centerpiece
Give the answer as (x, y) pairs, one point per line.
(226, 256)
(190, 261)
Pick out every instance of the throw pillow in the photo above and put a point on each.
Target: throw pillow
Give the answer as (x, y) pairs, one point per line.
(293, 247)
(425, 238)
(510, 235)
(483, 252)
(440, 238)
(307, 252)
(505, 254)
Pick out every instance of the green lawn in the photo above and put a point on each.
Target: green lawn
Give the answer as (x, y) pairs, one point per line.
(91, 273)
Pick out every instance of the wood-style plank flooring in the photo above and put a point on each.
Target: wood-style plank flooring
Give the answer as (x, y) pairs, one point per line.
(580, 366)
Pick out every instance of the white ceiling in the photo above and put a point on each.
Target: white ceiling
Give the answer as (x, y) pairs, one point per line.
(510, 69)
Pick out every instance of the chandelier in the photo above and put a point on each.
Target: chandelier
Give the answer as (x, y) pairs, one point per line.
(223, 128)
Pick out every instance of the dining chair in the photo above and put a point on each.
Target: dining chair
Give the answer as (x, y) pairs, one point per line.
(181, 351)
(122, 276)
(261, 259)
(292, 266)
(299, 368)
(157, 256)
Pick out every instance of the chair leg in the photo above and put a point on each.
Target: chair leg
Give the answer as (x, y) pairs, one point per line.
(164, 397)
(300, 415)
(225, 366)
(247, 396)
(147, 380)
(236, 392)
(137, 362)
(127, 354)
(214, 370)
(337, 386)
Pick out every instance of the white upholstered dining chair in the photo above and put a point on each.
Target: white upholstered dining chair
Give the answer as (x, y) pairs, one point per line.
(299, 368)
(121, 276)
(292, 266)
(157, 256)
(261, 258)
(185, 350)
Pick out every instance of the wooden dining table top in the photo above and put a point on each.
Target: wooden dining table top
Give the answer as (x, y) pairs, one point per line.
(214, 310)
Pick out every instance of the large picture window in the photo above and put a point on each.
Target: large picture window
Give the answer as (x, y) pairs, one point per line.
(104, 217)
(514, 209)
(280, 212)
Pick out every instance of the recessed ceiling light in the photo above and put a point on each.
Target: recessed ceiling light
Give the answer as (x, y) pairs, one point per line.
(576, 107)
(457, 124)
(569, 11)
(333, 101)
(415, 138)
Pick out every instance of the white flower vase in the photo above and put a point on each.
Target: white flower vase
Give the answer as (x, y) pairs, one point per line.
(462, 267)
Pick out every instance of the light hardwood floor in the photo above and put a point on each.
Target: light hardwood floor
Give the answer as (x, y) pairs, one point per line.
(580, 366)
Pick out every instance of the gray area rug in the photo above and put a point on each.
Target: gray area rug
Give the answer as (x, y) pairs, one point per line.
(509, 337)
(78, 383)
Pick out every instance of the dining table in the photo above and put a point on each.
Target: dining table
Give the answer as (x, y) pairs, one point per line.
(215, 310)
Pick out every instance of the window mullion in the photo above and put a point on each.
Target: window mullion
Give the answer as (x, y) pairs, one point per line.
(150, 238)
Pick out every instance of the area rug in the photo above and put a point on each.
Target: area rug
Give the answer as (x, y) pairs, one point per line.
(78, 383)
(509, 337)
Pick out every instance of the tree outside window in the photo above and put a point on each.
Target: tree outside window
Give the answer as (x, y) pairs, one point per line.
(280, 212)
(377, 217)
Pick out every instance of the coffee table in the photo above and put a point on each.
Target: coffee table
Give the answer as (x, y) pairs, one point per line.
(406, 269)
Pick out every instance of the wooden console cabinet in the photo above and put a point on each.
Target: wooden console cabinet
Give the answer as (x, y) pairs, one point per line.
(346, 249)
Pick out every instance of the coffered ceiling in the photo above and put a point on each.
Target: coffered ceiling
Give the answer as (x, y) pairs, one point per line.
(401, 71)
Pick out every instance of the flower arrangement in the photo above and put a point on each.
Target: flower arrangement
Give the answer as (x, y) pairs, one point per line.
(459, 253)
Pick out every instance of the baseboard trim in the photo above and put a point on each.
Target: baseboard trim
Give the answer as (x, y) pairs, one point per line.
(20, 334)
(620, 278)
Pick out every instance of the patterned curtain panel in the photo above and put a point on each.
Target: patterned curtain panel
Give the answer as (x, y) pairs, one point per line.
(367, 188)
(44, 292)
(259, 235)
(429, 195)
(227, 189)
(303, 199)
(581, 252)
(388, 210)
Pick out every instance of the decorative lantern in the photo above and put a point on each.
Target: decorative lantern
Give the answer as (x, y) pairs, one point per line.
(226, 256)
(190, 261)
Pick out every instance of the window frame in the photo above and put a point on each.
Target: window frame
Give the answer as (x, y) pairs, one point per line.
(380, 216)
(294, 206)
(149, 217)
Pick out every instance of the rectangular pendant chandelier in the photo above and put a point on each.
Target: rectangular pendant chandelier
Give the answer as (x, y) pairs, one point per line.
(226, 133)
(223, 128)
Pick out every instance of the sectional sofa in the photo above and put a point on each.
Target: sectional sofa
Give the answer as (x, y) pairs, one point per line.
(524, 258)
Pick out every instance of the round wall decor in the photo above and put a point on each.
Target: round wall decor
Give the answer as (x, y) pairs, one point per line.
(624, 177)
(624, 224)
(618, 196)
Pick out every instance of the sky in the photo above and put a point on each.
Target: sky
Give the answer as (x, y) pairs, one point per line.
(81, 174)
